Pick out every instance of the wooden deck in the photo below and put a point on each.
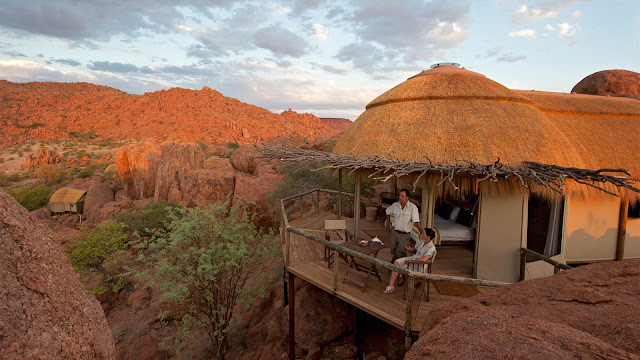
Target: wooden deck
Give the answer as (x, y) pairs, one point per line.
(306, 261)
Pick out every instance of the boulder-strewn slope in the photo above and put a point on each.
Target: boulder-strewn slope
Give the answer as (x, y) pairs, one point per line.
(592, 312)
(610, 82)
(52, 110)
(45, 312)
(339, 124)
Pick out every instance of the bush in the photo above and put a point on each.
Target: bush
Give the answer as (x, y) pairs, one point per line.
(233, 145)
(203, 263)
(32, 198)
(6, 180)
(50, 174)
(92, 248)
(148, 219)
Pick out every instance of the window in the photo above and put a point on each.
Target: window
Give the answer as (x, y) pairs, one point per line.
(544, 229)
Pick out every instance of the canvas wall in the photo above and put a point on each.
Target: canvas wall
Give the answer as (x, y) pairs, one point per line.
(592, 229)
(500, 237)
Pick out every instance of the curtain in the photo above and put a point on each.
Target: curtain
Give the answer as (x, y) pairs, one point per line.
(553, 232)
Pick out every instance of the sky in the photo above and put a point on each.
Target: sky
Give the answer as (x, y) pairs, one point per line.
(326, 57)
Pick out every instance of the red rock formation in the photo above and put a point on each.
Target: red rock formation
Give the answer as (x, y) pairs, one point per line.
(338, 124)
(97, 196)
(137, 166)
(43, 156)
(205, 187)
(45, 312)
(610, 82)
(588, 312)
(243, 159)
(64, 110)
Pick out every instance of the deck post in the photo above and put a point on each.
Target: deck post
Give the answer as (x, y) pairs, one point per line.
(523, 264)
(428, 204)
(356, 206)
(622, 228)
(284, 229)
(336, 257)
(339, 194)
(292, 305)
(287, 247)
(411, 288)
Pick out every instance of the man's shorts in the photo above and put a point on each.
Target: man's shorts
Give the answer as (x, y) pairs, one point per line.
(399, 243)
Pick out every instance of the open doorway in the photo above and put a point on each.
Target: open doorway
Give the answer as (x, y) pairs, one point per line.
(544, 226)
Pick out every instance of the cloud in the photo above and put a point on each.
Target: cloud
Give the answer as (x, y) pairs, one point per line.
(280, 41)
(24, 70)
(510, 59)
(68, 62)
(566, 31)
(526, 33)
(576, 14)
(113, 67)
(330, 68)
(318, 32)
(550, 28)
(524, 14)
(13, 54)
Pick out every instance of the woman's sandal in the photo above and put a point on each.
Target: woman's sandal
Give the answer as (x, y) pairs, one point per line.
(389, 290)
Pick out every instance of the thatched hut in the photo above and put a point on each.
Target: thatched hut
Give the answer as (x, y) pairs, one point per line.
(543, 170)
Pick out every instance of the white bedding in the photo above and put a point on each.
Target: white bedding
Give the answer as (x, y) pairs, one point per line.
(451, 231)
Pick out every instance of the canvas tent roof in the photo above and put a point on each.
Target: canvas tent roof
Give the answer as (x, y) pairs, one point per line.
(67, 196)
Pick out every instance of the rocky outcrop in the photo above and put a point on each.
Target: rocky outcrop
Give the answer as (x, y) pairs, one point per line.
(44, 156)
(587, 312)
(610, 82)
(45, 312)
(338, 124)
(205, 187)
(254, 190)
(148, 169)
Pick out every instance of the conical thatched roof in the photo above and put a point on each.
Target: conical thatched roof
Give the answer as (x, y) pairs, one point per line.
(449, 113)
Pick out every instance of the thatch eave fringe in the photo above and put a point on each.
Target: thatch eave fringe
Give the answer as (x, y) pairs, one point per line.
(547, 176)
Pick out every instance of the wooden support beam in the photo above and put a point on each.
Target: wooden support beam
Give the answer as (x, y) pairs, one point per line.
(336, 259)
(292, 305)
(622, 228)
(287, 247)
(523, 265)
(428, 205)
(411, 288)
(356, 205)
(339, 194)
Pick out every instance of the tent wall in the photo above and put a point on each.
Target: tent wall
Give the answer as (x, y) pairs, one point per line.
(592, 229)
(57, 207)
(632, 242)
(500, 237)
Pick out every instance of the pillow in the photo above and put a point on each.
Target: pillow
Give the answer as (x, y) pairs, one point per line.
(464, 217)
(454, 213)
(444, 210)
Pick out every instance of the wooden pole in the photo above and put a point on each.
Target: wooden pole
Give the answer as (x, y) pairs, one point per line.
(287, 247)
(622, 228)
(336, 257)
(284, 229)
(356, 206)
(339, 194)
(292, 305)
(523, 264)
(409, 315)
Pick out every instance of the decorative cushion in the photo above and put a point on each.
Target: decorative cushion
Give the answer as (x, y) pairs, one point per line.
(454, 213)
(444, 210)
(464, 217)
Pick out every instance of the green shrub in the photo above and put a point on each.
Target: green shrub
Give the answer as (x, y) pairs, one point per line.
(203, 263)
(6, 180)
(93, 247)
(146, 220)
(329, 145)
(50, 174)
(233, 145)
(202, 145)
(31, 197)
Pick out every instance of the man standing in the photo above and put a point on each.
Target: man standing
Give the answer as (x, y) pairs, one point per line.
(405, 214)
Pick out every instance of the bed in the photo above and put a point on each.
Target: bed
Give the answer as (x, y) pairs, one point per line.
(453, 232)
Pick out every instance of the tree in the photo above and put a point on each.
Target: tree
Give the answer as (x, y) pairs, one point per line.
(207, 262)
(93, 247)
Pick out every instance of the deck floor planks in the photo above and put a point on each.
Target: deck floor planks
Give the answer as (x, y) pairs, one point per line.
(307, 263)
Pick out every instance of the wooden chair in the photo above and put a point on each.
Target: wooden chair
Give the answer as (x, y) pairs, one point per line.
(421, 266)
(339, 227)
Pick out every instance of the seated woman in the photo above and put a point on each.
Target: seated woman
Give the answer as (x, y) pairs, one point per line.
(424, 250)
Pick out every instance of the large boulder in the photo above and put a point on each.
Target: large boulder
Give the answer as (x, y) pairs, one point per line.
(254, 190)
(205, 187)
(588, 312)
(98, 194)
(148, 169)
(243, 159)
(610, 82)
(137, 166)
(45, 312)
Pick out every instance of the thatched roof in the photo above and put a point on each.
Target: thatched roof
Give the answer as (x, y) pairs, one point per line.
(67, 196)
(446, 114)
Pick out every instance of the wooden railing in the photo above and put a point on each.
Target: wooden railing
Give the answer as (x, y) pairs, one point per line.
(524, 253)
(411, 276)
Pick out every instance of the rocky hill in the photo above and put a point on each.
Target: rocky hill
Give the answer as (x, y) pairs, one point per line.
(50, 110)
(338, 124)
(610, 82)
